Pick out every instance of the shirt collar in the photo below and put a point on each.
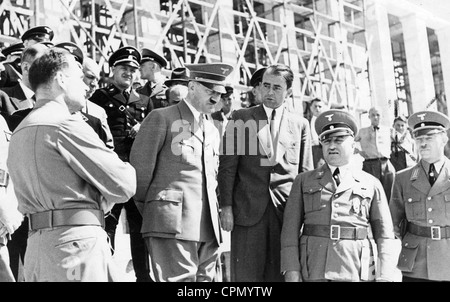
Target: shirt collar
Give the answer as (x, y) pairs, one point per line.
(194, 111)
(27, 91)
(343, 170)
(278, 111)
(437, 165)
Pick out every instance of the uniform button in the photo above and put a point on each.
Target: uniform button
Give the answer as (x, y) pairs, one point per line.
(128, 106)
(406, 244)
(430, 209)
(409, 199)
(429, 198)
(336, 205)
(335, 215)
(336, 196)
(430, 221)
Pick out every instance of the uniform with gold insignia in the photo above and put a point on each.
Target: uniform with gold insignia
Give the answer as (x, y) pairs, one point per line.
(346, 226)
(421, 211)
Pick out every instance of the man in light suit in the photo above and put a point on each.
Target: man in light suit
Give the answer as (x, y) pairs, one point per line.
(256, 173)
(337, 216)
(176, 164)
(420, 203)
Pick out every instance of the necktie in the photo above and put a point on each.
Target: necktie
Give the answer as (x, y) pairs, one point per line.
(375, 128)
(432, 174)
(337, 177)
(126, 94)
(273, 131)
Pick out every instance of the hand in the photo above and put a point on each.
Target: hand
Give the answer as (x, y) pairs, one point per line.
(10, 221)
(134, 131)
(292, 276)
(227, 219)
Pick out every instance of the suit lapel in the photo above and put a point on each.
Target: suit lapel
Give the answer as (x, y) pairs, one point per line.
(134, 97)
(263, 133)
(188, 116)
(326, 179)
(419, 179)
(443, 181)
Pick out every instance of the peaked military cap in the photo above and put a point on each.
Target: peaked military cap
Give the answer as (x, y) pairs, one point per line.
(428, 122)
(179, 75)
(148, 55)
(14, 50)
(49, 44)
(211, 75)
(73, 49)
(127, 55)
(335, 122)
(257, 77)
(39, 33)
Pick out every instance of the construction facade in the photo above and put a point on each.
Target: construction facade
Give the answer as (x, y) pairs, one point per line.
(353, 54)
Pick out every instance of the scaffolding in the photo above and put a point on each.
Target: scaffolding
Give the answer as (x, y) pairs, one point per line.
(323, 41)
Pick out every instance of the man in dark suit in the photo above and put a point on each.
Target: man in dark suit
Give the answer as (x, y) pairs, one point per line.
(176, 159)
(126, 109)
(151, 66)
(265, 147)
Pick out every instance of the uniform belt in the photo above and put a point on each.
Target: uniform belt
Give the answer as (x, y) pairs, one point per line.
(434, 232)
(335, 232)
(377, 159)
(66, 217)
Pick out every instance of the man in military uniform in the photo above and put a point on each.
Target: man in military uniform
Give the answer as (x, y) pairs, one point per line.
(420, 205)
(38, 34)
(176, 169)
(126, 109)
(65, 178)
(12, 73)
(338, 207)
(151, 66)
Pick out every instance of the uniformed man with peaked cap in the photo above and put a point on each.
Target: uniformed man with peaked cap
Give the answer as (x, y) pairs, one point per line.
(419, 202)
(151, 67)
(12, 73)
(176, 159)
(74, 49)
(343, 212)
(126, 109)
(37, 34)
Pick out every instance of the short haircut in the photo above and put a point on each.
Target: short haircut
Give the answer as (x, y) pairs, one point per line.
(29, 54)
(282, 70)
(316, 100)
(45, 68)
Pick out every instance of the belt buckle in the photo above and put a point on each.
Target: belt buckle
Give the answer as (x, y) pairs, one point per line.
(436, 233)
(335, 232)
(122, 108)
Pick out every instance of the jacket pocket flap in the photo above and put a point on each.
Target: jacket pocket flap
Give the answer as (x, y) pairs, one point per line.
(170, 195)
(312, 190)
(407, 257)
(362, 193)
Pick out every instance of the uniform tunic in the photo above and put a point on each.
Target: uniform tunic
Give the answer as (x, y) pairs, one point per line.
(359, 201)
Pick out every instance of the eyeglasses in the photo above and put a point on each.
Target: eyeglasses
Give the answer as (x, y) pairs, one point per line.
(338, 140)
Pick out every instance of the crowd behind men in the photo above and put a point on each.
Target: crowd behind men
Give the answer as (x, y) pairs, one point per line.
(304, 200)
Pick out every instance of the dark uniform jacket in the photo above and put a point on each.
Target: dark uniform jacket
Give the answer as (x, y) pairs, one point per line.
(122, 115)
(157, 94)
(10, 76)
(415, 201)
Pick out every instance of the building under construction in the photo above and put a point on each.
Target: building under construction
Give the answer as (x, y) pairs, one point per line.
(352, 53)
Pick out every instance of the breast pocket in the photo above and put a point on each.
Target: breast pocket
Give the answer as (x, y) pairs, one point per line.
(312, 199)
(414, 208)
(186, 151)
(293, 153)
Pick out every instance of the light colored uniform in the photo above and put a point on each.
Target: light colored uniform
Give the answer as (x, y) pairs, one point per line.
(359, 201)
(58, 162)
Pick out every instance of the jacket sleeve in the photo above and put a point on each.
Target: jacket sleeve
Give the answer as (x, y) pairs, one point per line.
(388, 245)
(306, 158)
(292, 223)
(144, 152)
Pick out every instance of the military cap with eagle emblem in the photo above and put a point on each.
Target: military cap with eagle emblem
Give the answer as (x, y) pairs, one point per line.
(39, 33)
(211, 75)
(127, 55)
(15, 49)
(428, 122)
(149, 55)
(335, 122)
(73, 49)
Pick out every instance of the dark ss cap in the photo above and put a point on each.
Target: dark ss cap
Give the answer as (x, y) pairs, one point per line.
(127, 55)
(14, 50)
(73, 49)
(39, 33)
(149, 55)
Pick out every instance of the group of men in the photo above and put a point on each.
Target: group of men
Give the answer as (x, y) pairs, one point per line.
(297, 202)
